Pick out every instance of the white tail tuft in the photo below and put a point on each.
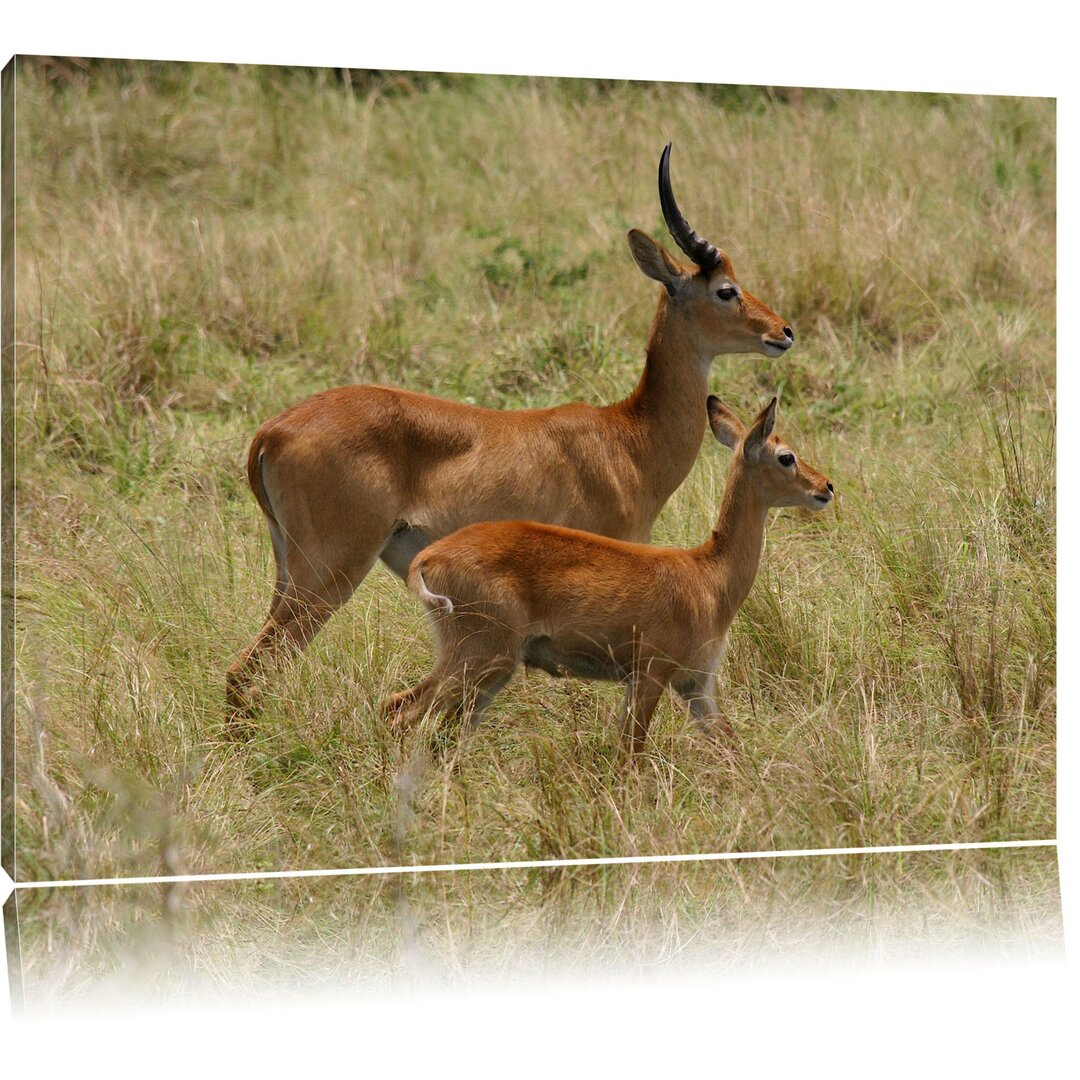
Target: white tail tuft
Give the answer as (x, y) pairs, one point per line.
(434, 599)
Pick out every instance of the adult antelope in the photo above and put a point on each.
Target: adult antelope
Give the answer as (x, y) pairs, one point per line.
(361, 473)
(572, 603)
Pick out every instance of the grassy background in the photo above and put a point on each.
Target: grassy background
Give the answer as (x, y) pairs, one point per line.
(200, 246)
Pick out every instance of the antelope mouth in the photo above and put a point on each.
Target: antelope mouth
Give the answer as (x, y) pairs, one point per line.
(776, 348)
(823, 500)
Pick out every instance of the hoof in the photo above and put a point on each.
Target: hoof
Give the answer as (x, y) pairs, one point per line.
(240, 713)
(240, 728)
(393, 708)
(721, 731)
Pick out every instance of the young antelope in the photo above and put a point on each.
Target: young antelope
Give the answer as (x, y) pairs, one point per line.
(504, 593)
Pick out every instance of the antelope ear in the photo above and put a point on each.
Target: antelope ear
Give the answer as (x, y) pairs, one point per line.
(654, 262)
(762, 427)
(726, 426)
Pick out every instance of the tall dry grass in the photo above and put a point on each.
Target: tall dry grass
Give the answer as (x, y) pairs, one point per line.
(200, 246)
(230, 942)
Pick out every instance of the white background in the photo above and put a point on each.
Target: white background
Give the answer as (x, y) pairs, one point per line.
(997, 1021)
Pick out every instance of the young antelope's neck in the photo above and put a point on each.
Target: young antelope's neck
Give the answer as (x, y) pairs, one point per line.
(734, 549)
(667, 409)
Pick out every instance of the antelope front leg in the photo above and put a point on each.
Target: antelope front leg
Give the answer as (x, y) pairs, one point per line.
(700, 696)
(642, 696)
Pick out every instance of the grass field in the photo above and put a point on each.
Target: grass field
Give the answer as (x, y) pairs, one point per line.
(231, 942)
(200, 246)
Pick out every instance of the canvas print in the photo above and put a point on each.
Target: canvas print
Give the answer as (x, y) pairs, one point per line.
(421, 468)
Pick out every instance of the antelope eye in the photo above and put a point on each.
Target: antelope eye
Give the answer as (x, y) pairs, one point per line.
(786, 459)
(728, 292)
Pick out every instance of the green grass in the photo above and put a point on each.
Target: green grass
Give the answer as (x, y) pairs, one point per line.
(200, 246)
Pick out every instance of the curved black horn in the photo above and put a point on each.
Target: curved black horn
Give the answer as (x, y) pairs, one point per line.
(701, 251)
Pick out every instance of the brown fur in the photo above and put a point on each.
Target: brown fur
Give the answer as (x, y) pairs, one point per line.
(503, 593)
(360, 473)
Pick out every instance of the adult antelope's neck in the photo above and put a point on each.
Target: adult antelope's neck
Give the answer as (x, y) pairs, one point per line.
(667, 409)
(735, 546)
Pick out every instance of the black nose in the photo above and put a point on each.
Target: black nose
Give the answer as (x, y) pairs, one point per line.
(828, 484)
(788, 334)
